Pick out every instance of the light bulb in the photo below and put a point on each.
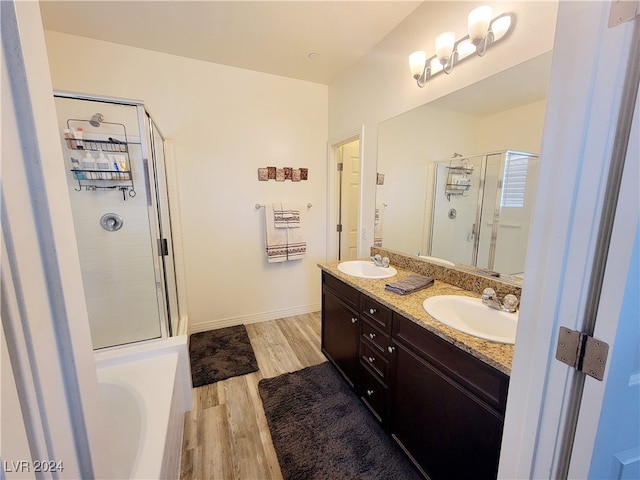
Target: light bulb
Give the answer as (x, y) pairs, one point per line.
(416, 62)
(444, 46)
(478, 23)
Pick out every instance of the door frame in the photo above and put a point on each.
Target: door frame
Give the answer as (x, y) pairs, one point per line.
(333, 157)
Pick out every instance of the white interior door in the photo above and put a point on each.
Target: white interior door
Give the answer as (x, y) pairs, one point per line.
(607, 437)
(553, 411)
(350, 196)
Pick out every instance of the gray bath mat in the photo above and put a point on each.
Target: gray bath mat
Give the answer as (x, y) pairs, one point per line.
(321, 430)
(220, 354)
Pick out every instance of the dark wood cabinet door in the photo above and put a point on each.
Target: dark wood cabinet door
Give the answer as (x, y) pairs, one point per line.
(340, 336)
(447, 431)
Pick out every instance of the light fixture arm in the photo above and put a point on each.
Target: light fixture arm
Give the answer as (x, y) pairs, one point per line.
(426, 74)
(451, 61)
(485, 43)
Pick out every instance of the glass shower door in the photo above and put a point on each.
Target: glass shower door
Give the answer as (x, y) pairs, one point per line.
(167, 273)
(490, 212)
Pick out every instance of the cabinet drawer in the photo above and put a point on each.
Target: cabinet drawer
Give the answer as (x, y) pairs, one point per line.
(374, 395)
(377, 313)
(373, 359)
(481, 379)
(380, 340)
(346, 292)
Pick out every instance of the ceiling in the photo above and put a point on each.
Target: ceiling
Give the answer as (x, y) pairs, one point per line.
(273, 37)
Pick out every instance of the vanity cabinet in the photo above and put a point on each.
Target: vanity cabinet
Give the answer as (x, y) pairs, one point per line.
(447, 407)
(444, 407)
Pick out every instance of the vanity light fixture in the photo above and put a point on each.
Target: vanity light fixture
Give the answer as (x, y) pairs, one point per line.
(483, 33)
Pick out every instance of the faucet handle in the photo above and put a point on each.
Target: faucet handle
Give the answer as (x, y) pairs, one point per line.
(511, 302)
(488, 293)
(385, 261)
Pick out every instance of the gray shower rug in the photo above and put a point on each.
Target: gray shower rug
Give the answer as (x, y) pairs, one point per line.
(220, 354)
(321, 430)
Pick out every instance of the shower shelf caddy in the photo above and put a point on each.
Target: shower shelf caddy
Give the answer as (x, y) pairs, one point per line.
(458, 181)
(100, 179)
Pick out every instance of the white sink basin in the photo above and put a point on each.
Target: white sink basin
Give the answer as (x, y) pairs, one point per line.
(366, 269)
(470, 315)
(439, 261)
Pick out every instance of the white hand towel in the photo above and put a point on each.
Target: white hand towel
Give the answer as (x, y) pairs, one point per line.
(286, 215)
(296, 243)
(276, 238)
(284, 233)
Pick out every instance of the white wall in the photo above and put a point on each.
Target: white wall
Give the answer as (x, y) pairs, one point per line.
(380, 85)
(519, 129)
(407, 144)
(224, 124)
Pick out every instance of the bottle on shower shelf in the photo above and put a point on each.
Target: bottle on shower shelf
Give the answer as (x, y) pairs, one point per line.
(75, 166)
(102, 163)
(78, 133)
(89, 163)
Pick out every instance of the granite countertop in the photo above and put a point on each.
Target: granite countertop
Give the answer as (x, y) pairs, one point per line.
(497, 355)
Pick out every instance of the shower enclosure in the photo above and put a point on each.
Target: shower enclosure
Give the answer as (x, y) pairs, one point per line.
(116, 174)
(482, 210)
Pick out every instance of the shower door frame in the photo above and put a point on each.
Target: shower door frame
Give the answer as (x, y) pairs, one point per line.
(160, 189)
(153, 185)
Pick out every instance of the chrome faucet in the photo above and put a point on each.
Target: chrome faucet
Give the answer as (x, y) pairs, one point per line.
(380, 261)
(490, 299)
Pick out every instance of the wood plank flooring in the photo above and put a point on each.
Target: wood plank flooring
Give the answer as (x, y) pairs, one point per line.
(226, 434)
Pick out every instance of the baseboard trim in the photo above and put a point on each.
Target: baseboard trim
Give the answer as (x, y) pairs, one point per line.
(253, 318)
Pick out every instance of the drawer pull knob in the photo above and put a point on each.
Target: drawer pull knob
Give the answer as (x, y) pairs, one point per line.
(372, 336)
(391, 349)
(371, 359)
(354, 319)
(369, 392)
(372, 311)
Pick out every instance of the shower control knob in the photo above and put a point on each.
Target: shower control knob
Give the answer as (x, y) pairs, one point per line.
(111, 222)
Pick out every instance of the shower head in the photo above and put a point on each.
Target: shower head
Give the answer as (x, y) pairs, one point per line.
(96, 120)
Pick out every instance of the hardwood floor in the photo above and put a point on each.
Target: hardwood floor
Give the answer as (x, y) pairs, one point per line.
(226, 434)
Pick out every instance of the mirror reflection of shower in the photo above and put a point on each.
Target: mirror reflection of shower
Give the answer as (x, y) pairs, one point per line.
(492, 196)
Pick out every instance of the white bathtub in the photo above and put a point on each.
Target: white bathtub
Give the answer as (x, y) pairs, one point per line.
(146, 391)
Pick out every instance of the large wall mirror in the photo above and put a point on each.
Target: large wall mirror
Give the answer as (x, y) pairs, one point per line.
(501, 114)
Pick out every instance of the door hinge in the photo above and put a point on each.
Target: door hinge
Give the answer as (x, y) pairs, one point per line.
(340, 166)
(622, 11)
(339, 228)
(582, 352)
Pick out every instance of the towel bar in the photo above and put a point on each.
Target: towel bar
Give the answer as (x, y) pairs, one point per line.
(259, 205)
